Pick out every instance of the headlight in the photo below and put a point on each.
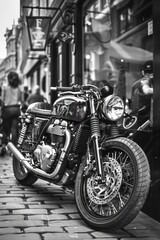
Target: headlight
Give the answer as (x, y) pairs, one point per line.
(113, 107)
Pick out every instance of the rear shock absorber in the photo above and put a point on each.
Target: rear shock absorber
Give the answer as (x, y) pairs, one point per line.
(24, 129)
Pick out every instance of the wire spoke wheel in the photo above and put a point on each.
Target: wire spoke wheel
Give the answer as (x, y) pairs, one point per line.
(115, 202)
(109, 198)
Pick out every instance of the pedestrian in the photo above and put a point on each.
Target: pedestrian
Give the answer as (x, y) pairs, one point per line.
(25, 93)
(35, 96)
(11, 99)
(142, 93)
(147, 80)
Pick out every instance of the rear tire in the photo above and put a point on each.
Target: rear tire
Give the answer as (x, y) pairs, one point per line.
(23, 176)
(115, 203)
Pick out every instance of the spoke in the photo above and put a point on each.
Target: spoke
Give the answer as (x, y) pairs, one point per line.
(128, 165)
(125, 197)
(114, 208)
(90, 202)
(92, 205)
(124, 161)
(128, 184)
(119, 156)
(122, 203)
(101, 210)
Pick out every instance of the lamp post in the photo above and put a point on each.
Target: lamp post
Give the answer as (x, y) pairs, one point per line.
(38, 31)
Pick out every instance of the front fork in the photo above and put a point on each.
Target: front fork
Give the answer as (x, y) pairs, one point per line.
(95, 135)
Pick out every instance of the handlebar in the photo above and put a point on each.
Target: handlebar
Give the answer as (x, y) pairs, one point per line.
(74, 88)
(62, 89)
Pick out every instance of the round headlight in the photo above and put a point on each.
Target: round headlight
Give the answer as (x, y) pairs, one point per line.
(113, 107)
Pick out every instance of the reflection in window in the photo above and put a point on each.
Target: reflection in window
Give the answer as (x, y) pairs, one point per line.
(104, 3)
(125, 20)
(115, 52)
(96, 7)
(97, 32)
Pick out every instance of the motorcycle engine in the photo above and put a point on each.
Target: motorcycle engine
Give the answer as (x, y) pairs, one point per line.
(47, 154)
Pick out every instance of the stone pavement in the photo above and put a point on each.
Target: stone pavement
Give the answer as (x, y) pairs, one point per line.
(45, 212)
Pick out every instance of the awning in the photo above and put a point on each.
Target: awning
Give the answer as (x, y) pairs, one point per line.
(30, 61)
(118, 51)
(128, 53)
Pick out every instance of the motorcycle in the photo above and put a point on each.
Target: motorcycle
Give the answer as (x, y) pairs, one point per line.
(76, 144)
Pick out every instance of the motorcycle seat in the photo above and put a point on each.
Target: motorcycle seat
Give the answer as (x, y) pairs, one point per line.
(40, 108)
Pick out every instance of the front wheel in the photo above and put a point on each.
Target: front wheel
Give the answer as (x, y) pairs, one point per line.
(114, 203)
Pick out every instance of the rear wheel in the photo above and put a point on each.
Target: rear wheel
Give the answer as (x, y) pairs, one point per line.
(115, 203)
(23, 176)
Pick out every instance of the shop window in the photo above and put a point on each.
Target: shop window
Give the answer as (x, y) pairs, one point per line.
(97, 33)
(104, 4)
(96, 7)
(126, 19)
(116, 53)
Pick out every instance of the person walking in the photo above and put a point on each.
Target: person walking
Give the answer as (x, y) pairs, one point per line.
(142, 94)
(35, 96)
(25, 93)
(11, 99)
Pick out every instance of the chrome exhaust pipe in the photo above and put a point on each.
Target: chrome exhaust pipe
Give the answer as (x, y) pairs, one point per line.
(15, 152)
(25, 162)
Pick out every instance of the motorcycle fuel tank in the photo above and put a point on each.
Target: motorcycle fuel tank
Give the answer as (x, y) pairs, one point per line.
(70, 108)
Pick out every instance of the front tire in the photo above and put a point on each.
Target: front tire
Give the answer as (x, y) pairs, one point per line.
(116, 203)
(23, 176)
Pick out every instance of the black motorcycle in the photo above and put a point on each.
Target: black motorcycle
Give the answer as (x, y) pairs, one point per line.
(76, 144)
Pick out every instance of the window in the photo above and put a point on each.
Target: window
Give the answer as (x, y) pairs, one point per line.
(96, 7)
(104, 4)
(111, 55)
(126, 19)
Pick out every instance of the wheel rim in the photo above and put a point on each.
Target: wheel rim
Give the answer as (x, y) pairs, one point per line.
(109, 199)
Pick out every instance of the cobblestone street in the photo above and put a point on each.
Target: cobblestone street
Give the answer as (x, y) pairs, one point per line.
(44, 212)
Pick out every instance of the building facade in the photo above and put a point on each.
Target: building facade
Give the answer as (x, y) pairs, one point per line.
(97, 42)
(10, 62)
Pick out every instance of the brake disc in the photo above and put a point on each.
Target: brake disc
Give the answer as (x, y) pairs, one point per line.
(102, 193)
